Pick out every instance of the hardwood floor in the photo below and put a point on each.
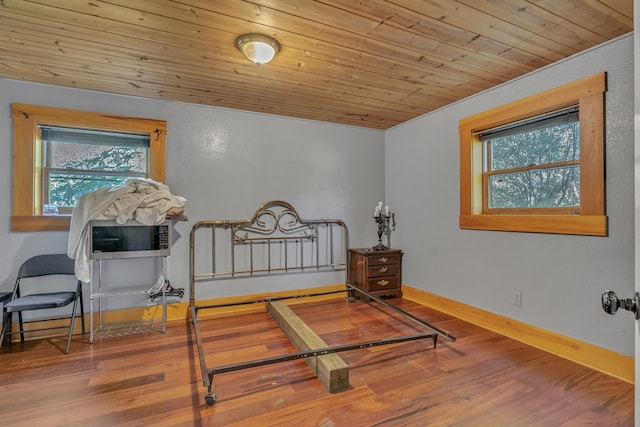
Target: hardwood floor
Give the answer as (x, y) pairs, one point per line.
(483, 379)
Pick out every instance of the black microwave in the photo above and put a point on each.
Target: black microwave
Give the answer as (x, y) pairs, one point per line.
(110, 240)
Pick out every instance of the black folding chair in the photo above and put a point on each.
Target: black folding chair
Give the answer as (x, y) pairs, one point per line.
(37, 266)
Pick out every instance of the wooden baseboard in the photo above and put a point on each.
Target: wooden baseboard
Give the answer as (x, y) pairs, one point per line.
(606, 361)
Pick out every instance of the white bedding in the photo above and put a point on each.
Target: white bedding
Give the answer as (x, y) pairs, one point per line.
(144, 200)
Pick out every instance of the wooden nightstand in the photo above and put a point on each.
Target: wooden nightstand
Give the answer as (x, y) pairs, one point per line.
(377, 272)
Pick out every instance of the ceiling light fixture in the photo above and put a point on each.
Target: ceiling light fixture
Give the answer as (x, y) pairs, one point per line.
(259, 48)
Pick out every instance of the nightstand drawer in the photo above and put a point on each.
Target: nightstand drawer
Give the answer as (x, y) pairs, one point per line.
(383, 270)
(383, 283)
(383, 259)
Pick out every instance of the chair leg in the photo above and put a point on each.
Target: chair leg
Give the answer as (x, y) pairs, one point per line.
(21, 326)
(73, 318)
(82, 312)
(6, 327)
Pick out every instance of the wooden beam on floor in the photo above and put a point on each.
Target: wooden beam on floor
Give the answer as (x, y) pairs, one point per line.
(332, 371)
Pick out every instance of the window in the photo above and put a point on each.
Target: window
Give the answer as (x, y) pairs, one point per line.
(537, 165)
(59, 155)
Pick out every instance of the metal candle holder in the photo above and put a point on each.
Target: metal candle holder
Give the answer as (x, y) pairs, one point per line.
(386, 221)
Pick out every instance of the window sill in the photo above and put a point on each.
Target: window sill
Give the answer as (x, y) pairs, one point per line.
(587, 225)
(41, 223)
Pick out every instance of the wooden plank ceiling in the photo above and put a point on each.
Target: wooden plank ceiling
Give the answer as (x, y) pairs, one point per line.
(370, 63)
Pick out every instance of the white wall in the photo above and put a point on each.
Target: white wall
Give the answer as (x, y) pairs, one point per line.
(561, 277)
(226, 163)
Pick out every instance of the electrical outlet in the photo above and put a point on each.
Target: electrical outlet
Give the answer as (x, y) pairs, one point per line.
(517, 298)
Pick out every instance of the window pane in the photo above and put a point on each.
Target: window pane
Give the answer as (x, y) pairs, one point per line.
(77, 161)
(537, 188)
(97, 157)
(536, 145)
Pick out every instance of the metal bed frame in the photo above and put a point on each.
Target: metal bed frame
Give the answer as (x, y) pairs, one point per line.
(276, 240)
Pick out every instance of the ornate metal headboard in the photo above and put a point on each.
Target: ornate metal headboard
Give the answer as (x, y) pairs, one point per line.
(276, 240)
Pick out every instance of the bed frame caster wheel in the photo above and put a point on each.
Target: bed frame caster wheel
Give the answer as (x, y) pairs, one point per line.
(210, 399)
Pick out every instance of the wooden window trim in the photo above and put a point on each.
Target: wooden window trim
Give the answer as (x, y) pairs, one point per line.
(588, 94)
(27, 163)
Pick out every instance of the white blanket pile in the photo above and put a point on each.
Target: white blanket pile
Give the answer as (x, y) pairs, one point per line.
(147, 201)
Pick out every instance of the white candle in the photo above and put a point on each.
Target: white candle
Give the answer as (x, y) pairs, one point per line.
(386, 211)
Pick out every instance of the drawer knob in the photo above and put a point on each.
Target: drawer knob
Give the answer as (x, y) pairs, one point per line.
(383, 259)
(384, 269)
(383, 282)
